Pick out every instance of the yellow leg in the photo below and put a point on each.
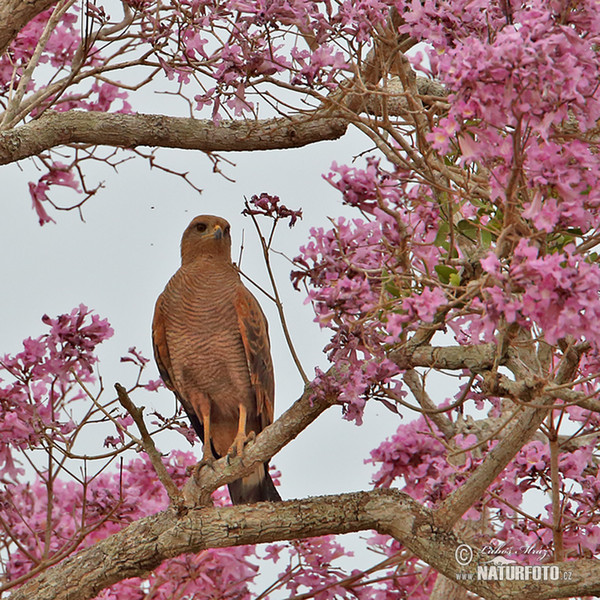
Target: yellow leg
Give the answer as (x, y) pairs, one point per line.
(207, 455)
(240, 438)
(237, 446)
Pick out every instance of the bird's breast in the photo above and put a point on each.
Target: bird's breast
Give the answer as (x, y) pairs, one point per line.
(202, 331)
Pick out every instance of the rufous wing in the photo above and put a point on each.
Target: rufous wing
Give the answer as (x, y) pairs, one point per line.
(163, 361)
(255, 337)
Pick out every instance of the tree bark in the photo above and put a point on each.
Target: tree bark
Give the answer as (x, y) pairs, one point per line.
(476, 357)
(189, 528)
(145, 544)
(128, 131)
(15, 14)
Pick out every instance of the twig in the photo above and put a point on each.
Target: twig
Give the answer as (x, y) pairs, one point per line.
(103, 410)
(352, 581)
(148, 444)
(15, 101)
(557, 532)
(278, 302)
(459, 501)
(428, 408)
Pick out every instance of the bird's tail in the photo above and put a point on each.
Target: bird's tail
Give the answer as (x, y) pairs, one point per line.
(256, 487)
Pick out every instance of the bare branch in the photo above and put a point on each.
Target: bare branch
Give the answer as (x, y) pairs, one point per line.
(274, 437)
(16, 98)
(416, 385)
(459, 502)
(145, 544)
(476, 358)
(128, 131)
(455, 505)
(149, 447)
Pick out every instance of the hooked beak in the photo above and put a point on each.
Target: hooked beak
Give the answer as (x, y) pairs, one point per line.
(218, 232)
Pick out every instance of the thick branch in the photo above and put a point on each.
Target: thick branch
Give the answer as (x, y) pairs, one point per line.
(128, 131)
(459, 502)
(390, 98)
(145, 544)
(15, 14)
(476, 358)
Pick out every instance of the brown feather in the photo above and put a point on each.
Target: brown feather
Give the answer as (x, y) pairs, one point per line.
(163, 361)
(255, 337)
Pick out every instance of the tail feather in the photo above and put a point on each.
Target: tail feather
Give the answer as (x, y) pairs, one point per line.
(256, 487)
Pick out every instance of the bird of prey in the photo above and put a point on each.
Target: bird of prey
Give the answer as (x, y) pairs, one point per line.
(212, 348)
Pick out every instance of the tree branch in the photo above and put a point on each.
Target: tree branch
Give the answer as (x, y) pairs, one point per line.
(15, 14)
(146, 543)
(457, 503)
(128, 131)
(274, 437)
(148, 444)
(310, 405)
(476, 358)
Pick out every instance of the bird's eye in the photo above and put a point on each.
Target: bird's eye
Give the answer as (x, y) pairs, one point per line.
(201, 227)
(227, 229)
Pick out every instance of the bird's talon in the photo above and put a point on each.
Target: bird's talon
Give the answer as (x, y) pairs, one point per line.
(207, 461)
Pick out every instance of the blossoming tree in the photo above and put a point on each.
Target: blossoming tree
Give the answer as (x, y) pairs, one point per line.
(472, 255)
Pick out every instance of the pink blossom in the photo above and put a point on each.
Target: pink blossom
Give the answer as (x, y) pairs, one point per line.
(269, 206)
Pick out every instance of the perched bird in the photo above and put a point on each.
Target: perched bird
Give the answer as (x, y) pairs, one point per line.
(212, 348)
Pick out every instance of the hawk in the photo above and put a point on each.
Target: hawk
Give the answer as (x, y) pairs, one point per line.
(212, 349)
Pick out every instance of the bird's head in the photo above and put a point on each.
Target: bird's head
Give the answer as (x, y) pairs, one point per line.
(206, 235)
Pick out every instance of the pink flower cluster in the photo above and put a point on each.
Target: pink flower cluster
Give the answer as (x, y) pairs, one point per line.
(56, 60)
(311, 566)
(415, 458)
(297, 42)
(270, 206)
(59, 52)
(417, 461)
(59, 509)
(58, 174)
(357, 273)
(104, 506)
(35, 382)
(513, 91)
(557, 292)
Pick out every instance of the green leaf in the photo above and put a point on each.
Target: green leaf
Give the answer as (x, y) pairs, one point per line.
(389, 284)
(486, 238)
(445, 273)
(442, 236)
(455, 279)
(468, 229)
